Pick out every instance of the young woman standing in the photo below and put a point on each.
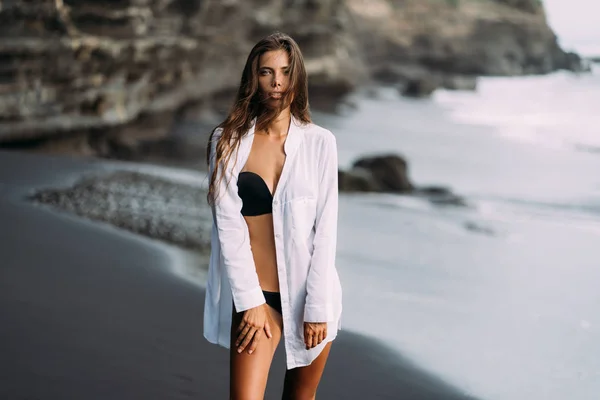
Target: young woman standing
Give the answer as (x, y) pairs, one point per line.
(274, 195)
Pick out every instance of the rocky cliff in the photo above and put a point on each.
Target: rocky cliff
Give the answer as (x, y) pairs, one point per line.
(74, 65)
(409, 38)
(86, 71)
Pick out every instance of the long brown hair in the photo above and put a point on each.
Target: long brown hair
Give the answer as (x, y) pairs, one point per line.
(248, 104)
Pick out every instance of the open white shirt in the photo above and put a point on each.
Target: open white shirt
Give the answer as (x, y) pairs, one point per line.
(305, 208)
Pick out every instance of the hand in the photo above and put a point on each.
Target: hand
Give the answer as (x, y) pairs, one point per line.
(314, 333)
(250, 330)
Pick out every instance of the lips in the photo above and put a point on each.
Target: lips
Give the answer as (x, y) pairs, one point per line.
(276, 95)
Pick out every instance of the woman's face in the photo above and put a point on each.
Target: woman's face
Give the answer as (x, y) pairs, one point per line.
(273, 76)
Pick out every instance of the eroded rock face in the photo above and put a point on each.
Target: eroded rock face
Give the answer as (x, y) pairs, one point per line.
(532, 6)
(81, 65)
(92, 68)
(412, 41)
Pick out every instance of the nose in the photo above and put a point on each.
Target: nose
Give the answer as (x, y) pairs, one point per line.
(276, 80)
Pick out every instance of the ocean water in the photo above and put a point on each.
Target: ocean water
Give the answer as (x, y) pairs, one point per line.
(501, 298)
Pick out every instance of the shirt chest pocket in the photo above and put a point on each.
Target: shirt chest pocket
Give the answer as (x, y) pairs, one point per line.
(302, 213)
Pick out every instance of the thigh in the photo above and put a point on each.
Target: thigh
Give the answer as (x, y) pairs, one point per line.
(249, 372)
(302, 382)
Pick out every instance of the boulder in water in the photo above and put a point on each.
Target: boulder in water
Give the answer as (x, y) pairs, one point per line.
(389, 172)
(357, 180)
(420, 87)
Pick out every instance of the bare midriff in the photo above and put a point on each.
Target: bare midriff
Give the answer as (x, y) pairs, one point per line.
(262, 242)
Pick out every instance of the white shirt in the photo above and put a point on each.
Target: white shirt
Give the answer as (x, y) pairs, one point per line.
(305, 208)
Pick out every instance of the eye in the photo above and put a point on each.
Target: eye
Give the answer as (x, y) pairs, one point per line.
(264, 72)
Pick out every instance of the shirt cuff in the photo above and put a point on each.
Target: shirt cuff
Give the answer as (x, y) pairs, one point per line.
(314, 313)
(248, 299)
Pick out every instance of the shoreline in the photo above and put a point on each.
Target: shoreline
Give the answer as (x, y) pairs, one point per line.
(96, 312)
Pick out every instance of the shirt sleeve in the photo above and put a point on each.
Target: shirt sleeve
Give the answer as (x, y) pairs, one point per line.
(318, 302)
(234, 238)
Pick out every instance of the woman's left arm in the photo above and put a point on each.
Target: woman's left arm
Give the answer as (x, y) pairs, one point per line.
(318, 302)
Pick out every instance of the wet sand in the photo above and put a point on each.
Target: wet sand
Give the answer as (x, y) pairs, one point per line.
(89, 311)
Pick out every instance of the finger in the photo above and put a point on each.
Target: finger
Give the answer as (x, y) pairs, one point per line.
(246, 340)
(255, 340)
(306, 334)
(239, 340)
(268, 329)
(243, 322)
(321, 337)
(241, 325)
(306, 337)
(242, 334)
(244, 325)
(315, 341)
(309, 340)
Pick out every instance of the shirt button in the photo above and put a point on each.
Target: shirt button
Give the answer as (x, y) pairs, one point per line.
(278, 235)
(275, 202)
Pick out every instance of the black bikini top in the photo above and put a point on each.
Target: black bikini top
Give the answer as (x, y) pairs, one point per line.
(255, 194)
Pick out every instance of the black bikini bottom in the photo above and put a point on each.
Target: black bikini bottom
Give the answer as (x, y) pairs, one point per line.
(273, 299)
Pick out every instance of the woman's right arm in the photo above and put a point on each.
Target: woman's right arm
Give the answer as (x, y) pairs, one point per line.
(233, 235)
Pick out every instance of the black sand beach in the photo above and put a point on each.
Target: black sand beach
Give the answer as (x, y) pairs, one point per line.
(88, 311)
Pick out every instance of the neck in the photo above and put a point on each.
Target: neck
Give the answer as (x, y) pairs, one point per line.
(280, 126)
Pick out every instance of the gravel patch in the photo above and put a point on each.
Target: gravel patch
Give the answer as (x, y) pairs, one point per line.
(152, 206)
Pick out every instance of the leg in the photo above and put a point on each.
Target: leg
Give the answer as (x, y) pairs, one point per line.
(301, 383)
(249, 372)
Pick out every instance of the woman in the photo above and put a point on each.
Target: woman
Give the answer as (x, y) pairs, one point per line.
(274, 194)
